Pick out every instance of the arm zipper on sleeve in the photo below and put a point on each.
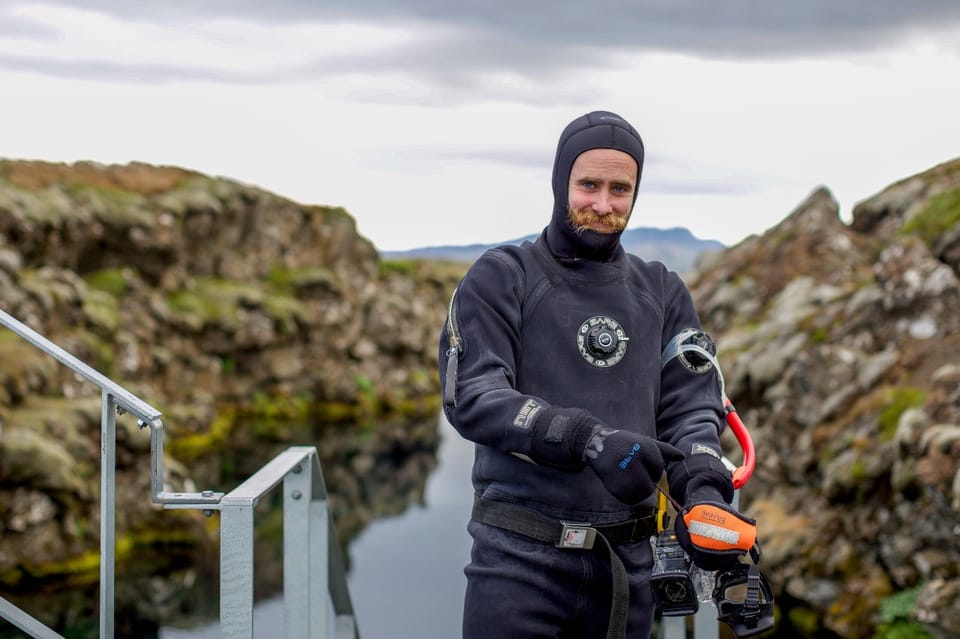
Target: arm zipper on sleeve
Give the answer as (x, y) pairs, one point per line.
(454, 348)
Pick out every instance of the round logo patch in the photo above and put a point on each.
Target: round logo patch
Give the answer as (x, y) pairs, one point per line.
(601, 341)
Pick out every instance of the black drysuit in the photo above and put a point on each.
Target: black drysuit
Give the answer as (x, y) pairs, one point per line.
(521, 337)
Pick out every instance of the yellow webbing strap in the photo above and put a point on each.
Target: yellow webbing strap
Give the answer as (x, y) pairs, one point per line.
(661, 510)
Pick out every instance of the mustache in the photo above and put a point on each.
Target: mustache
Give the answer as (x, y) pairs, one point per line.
(586, 220)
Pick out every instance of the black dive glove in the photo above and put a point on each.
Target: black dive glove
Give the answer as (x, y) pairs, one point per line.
(712, 533)
(628, 464)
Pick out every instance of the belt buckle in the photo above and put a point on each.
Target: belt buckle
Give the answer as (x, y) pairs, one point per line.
(577, 535)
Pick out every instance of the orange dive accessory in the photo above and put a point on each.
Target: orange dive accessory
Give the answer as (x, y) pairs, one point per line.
(716, 534)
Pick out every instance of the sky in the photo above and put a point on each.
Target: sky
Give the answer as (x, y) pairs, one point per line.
(435, 122)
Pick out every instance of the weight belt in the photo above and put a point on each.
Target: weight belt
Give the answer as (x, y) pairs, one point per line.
(576, 536)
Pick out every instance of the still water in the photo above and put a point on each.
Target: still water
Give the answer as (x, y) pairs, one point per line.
(406, 576)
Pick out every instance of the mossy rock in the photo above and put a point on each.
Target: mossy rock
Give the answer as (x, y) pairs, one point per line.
(940, 214)
(84, 568)
(70, 421)
(53, 289)
(23, 369)
(114, 281)
(187, 447)
(115, 207)
(193, 194)
(895, 615)
(31, 458)
(47, 208)
(217, 302)
(899, 401)
(102, 311)
(304, 280)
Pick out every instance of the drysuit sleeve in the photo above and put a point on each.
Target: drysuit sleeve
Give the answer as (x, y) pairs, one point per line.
(690, 411)
(479, 346)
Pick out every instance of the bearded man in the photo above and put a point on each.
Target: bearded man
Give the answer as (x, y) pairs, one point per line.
(550, 361)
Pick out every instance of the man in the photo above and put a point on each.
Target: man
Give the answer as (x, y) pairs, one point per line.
(551, 363)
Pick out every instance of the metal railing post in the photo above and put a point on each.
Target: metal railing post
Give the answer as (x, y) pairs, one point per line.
(321, 538)
(236, 570)
(705, 622)
(108, 519)
(298, 597)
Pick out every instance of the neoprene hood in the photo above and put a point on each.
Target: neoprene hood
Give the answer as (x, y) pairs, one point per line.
(595, 130)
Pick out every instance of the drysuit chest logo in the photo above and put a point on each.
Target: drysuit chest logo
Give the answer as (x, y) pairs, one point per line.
(601, 341)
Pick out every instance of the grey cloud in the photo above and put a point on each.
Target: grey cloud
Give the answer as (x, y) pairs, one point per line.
(706, 27)
(461, 46)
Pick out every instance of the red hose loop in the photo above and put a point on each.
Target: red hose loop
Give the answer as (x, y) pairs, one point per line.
(742, 474)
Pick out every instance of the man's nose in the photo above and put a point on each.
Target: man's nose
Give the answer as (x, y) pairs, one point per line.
(602, 205)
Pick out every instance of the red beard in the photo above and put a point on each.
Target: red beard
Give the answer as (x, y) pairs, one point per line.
(586, 220)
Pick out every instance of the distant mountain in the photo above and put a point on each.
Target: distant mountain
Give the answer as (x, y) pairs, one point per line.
(676, 247)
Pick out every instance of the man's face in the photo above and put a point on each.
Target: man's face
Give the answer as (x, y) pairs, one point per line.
(600, 194)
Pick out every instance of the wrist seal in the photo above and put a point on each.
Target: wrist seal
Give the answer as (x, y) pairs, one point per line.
(559, 436)
(697, 471)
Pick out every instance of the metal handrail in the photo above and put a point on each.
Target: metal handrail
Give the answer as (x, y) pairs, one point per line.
(307, 523)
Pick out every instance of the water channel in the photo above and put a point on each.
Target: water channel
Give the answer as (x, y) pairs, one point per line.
(406, 575)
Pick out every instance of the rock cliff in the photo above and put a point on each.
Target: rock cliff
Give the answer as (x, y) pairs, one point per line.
(840, 346)
(249, 320)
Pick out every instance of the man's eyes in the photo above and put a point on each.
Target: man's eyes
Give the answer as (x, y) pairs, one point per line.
(620, 189)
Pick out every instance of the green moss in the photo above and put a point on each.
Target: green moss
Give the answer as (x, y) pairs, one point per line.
(858, 470)
(113, 206)
(211, 301)
(85, 567)
(214, 301)
(334, 412)
(365, 386)
(288, 281)
(406, 268)
(899, 605)
(414, 406)
(939, 215)
(368, 402)
(805, 620)
(820, 335)
(114, 281)
(187, 448)
(284, 311)
(266, 408)
(101, 311)
(898, 401)
(895, 612)
(902, 630)
(228, 366)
